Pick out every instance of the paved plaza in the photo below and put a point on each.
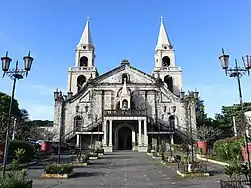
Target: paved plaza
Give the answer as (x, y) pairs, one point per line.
(125, 169)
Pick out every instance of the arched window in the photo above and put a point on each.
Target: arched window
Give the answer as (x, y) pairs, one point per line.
(172, 121)
(78, 123)
(166, 61)
(80, 81)
(83, 61)
(125, 76)
(169, 81)
(125, 104)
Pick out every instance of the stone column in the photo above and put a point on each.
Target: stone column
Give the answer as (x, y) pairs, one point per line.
(78, 140)
(145, 133)
(110, 132)
(140, 136)
(105, 133)
(171, 139)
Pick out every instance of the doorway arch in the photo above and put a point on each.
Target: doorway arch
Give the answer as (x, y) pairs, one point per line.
(124, 137)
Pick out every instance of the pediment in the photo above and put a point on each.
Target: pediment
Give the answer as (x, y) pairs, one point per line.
(135, 76)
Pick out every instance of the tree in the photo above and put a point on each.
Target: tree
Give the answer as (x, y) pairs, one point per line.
(225, 119)
(4, 110)
(207, 133)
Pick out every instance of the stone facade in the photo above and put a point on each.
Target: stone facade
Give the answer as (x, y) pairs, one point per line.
(97, 106)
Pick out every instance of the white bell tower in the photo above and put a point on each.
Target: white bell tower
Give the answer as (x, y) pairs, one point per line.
(84, 65)
(165, 66)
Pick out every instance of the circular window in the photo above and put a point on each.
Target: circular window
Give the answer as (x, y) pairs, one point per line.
(165, 47)
(84, 47)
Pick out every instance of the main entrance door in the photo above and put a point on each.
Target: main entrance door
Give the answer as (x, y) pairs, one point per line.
(125, 138)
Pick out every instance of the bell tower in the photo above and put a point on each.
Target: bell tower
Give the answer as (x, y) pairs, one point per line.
(84, 64)
(165, 67)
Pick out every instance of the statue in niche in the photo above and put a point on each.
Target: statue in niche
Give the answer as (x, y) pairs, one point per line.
(125, 104)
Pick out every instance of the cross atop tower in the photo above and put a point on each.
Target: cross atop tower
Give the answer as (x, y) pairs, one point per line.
(161, 19)
(87, 18)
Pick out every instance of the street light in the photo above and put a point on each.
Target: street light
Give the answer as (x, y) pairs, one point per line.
(14, 74)
(238, 72)
(188, 100)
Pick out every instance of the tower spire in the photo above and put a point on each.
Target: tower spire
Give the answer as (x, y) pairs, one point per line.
(124, 89)
(86, 38)
(163, 39)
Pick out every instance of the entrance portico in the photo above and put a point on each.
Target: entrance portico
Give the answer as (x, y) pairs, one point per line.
(123, 132)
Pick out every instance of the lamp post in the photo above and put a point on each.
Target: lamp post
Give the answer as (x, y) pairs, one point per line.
(14, 74)
(238, 72)
(188, 100)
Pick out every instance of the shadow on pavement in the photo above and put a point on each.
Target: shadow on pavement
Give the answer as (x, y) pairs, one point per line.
(118, 157)
(98, 163)
(87, 174)
(215, 172)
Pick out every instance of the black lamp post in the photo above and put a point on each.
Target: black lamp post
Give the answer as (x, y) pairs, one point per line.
(191, 97)
(14, 74)
(238, 72)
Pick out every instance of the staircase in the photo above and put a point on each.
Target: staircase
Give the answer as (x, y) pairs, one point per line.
(90, 127)
(164, 126)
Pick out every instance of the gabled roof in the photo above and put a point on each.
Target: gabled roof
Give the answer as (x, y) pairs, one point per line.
(92, 82)
(121, 68)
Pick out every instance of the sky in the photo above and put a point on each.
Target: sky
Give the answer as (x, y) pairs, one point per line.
(125, 30)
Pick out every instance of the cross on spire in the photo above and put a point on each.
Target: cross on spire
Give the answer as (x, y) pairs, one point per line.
(161, 19)
(87, 18)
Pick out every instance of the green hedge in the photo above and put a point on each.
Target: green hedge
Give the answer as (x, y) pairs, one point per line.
(58, 169)
(229, 148)
(15, 144)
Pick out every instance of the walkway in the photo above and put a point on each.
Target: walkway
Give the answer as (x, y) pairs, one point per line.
(125, 169)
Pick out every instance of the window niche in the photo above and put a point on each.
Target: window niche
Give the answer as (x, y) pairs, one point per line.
(83, 61)
(125, 77)
(166, 61)
(80, 81)
(169, 81)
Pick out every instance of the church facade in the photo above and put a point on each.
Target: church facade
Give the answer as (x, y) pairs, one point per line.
(123, 108)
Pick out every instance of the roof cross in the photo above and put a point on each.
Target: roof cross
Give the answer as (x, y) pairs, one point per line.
(161, 18)
(87, 18)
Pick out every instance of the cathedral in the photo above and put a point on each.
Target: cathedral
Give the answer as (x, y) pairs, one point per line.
(124, 108)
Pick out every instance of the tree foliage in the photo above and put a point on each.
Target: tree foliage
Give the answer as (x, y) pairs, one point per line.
(25, 128)
(225, 119)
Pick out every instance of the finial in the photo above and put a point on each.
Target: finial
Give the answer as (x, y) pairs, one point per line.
(29, 53)
(222, 51)
(161, 19)
(6, 54)
(87, 18)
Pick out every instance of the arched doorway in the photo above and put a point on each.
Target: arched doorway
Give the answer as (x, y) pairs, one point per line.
(125, 138)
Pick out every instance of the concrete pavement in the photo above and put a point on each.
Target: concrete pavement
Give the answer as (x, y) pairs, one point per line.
(124, 169)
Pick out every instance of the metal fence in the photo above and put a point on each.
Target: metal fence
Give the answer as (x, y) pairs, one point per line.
(235, 184)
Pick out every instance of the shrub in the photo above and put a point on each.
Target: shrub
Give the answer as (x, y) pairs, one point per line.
(229, 148)
(58, 169)
(99, 150)
(92, 154)
(16, 180)
(18, 144)
(82, 157)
